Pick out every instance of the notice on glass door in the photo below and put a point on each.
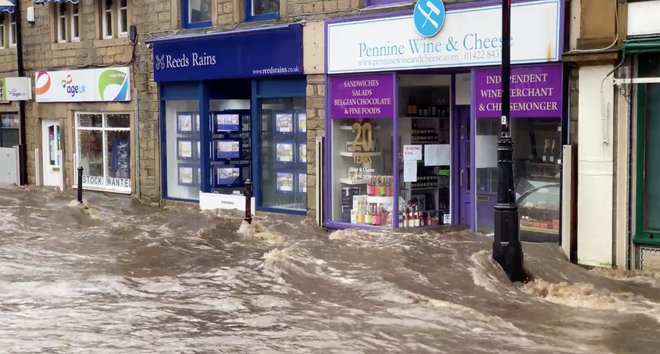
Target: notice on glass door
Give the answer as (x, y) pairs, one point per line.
(410, 171)
(412, 152)
(437, 155)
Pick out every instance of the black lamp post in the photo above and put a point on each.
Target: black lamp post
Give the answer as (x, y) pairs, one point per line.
(507, 250)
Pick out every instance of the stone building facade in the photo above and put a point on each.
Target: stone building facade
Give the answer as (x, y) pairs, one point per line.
(76, 36)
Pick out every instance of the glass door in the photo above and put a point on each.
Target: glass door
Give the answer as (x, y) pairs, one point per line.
(52, 153)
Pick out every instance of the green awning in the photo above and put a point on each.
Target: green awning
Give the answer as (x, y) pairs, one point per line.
(641, 45)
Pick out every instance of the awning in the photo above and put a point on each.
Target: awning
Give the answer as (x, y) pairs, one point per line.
(7, 6)
(640, 46)
(52, 1)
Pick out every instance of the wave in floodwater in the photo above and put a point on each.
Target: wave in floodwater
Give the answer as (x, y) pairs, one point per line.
(120, 277)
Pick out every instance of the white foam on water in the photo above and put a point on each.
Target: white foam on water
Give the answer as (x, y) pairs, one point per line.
(260, 232)
(651, 278)
(587, 296)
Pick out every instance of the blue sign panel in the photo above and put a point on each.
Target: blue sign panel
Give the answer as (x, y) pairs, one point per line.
(271, 51)
(429, 16)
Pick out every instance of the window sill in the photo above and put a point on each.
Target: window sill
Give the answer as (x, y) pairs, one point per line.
(110, 42)
(196, 25)
(264, 17)
(66, 45)
(394, 5)
(647, 240)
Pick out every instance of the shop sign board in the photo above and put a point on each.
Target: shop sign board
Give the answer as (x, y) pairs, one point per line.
(536, 92)
(16, 88)
(362, 96)
(88, 85)
(469, 37)
(261, 52)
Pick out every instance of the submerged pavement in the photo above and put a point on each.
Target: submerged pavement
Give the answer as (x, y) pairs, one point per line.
(119, 277)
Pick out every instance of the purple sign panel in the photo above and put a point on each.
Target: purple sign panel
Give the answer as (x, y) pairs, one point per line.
(362, 96)
(536, 92)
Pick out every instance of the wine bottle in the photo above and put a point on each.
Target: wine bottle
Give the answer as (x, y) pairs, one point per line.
(551, 158)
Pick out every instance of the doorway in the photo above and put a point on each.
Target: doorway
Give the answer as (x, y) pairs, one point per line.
(52, 153)
(465, 206)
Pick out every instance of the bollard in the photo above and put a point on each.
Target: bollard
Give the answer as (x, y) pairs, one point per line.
(248, 201)
(80, 182)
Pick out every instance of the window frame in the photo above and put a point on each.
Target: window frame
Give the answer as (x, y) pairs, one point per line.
(104, 129)
(120, 17)
(74, 26)
(61, 35)
(185, 17)
(12, 40)
(2, 31)
(104, 20)
(249, 17)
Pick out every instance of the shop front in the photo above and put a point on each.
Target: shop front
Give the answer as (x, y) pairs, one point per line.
(85, 117)
(232, 108)
(412, 118)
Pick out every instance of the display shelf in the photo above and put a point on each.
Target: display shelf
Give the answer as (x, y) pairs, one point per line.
(350, 127)
(424, 117)
(353, 182)
(352, 154)
(539, 230)
(380, 200)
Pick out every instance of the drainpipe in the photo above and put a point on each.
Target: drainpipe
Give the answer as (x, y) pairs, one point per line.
(21, 104)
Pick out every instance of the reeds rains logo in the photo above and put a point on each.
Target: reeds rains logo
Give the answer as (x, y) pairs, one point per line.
(166, 61)
(72, 89)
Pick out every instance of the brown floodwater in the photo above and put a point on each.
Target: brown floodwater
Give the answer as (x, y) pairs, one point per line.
(116, 276)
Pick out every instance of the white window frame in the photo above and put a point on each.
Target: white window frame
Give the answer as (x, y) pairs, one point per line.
(122, 14)
(61, 32)
(104, 129)
(12, 30)
(104, 20)
(3, 18)
(74, 25)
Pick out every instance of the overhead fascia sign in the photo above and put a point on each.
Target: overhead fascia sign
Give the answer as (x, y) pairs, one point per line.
(16, 89)
(89, 85)
(465, 38)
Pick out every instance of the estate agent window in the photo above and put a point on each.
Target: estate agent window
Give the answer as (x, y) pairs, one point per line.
(103, 149)
(114, 18)
(196, 13)
(256, 10)
(67, 22)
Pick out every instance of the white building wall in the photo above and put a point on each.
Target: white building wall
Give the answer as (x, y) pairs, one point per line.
(595, 166)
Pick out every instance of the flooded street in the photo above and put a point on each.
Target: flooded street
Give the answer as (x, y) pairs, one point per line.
(120, 277)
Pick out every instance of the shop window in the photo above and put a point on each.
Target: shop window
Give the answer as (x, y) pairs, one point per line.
(283, 157)
(183, 150)
(536, 171)
(113, 18)
(103, 149)
(67, 22)
(648, 143)
(362, 175)
(257, 10)
(196, 13)
(9, 125)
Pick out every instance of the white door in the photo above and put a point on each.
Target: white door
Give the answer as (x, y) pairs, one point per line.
(52, 153)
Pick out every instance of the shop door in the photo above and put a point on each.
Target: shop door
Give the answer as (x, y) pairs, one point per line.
(52, 153)
(464, 166)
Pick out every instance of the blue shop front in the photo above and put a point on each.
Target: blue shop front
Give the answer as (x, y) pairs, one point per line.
(232, 108)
